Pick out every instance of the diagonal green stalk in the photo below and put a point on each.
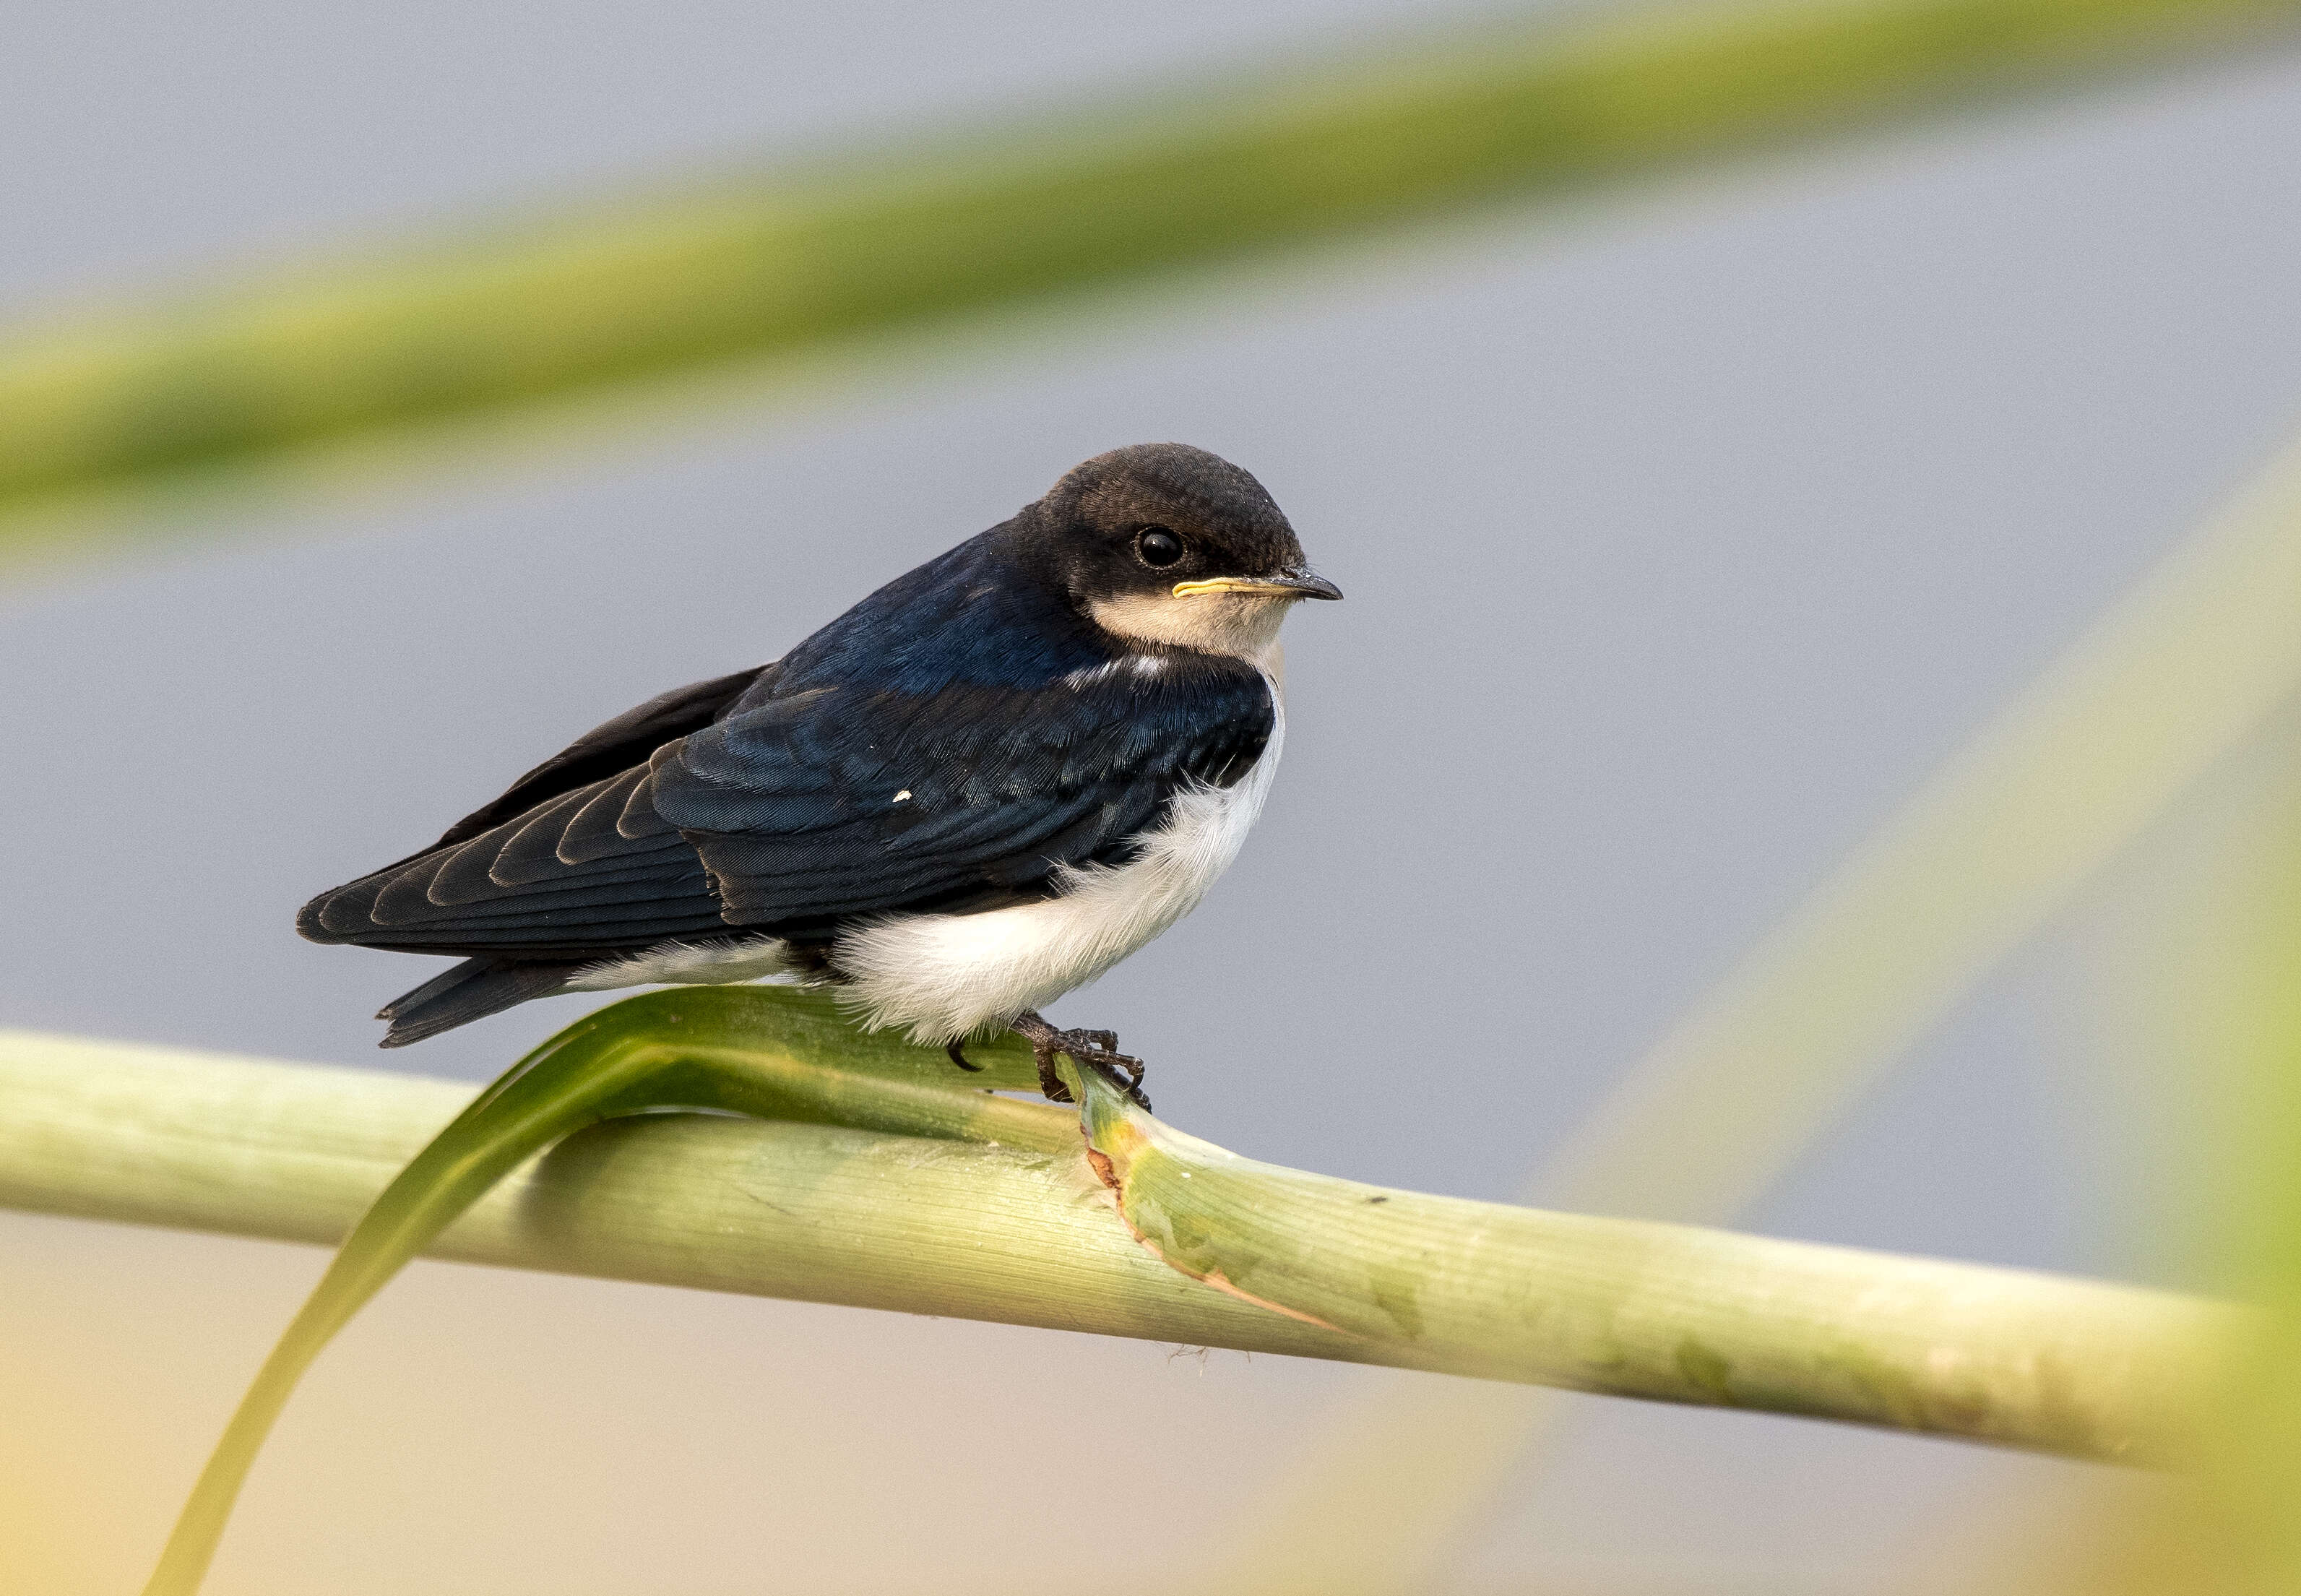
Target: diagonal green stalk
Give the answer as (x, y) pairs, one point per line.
(2207, 1000)
(759, 1051)
(2179, 672)
(2221, 1000)
(780, 264)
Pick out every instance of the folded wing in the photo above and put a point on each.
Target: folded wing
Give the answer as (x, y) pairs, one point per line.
(792, 812)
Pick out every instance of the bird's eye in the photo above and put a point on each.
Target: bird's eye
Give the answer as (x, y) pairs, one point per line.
(1158, 546)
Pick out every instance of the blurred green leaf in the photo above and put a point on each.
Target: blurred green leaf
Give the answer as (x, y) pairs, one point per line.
(613, 1064)
(2215, 996)
(756, 265)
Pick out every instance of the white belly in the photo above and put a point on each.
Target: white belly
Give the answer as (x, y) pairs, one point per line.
(944, 977)
(682, 963)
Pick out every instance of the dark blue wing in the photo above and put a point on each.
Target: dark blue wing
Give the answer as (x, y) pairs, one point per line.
(807, 806)
(563, 861)
(610, 750)
(853, 799)
(590, 871)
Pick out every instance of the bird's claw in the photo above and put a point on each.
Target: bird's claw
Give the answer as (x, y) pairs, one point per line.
(1096, 1051)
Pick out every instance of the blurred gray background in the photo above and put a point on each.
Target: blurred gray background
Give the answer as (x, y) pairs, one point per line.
(1684, 530)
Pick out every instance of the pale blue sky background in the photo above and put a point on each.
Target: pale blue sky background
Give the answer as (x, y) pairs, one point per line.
(1684, 530)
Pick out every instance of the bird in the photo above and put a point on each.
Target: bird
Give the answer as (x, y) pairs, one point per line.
(979, 788)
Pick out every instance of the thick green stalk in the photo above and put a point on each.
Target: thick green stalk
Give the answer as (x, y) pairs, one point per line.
(1667, 1311)
(873, 1173)
(752, 265)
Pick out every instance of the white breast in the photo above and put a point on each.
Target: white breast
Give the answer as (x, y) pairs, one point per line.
(944, 977)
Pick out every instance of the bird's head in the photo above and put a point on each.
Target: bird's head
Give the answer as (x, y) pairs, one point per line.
(1163, 543)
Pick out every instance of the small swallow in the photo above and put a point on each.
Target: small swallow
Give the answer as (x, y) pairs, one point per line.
(979, 788)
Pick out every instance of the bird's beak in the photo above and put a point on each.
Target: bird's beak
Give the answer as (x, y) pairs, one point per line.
(1304, 584)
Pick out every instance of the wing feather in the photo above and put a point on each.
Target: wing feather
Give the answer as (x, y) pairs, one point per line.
(861, 802)
(614, 746)
(790, 812)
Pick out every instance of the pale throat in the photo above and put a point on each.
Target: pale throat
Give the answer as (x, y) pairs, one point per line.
(1244, 625)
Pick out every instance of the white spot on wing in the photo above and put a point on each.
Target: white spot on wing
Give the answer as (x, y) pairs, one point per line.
(903, 797)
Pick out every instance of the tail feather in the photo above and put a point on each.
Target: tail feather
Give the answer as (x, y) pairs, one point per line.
(471, 990)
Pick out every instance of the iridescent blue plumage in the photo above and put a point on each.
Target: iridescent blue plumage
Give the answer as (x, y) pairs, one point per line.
(968, 738)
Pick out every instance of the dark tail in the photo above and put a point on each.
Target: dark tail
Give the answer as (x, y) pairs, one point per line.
(471, 990)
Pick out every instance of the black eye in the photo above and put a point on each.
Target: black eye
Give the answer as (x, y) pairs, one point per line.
(1158, 546)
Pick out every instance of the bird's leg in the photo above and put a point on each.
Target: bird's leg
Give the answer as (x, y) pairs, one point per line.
(959, 1059)
(1096, 1051)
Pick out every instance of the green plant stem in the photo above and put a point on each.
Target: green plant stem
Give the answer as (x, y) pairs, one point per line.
(998, 1217)
(750, 266)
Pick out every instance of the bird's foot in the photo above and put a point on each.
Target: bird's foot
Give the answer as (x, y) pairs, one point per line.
(1096, 1051)
(959, 1059)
